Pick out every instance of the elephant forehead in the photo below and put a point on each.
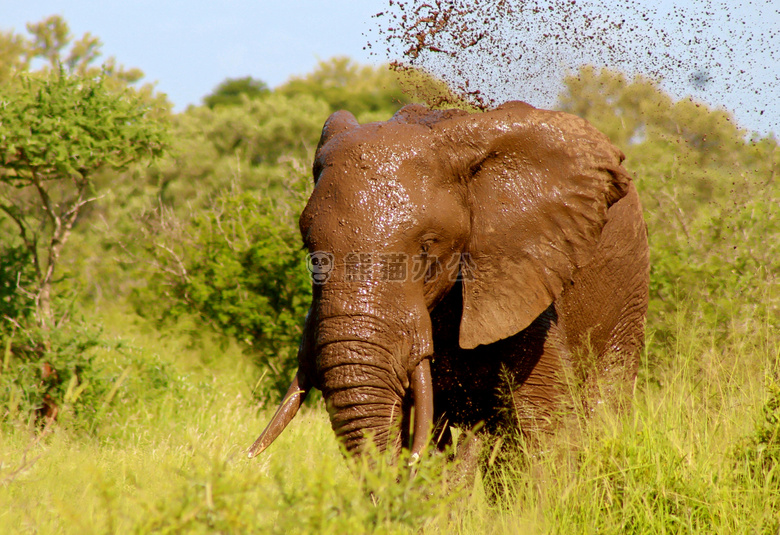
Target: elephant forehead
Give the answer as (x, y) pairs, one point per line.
(388, 203)
(364, 205)
(376, 144)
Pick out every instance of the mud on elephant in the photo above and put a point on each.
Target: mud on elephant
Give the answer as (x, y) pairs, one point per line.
(454, 254)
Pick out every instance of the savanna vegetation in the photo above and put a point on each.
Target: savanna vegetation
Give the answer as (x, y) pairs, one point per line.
(153, 287)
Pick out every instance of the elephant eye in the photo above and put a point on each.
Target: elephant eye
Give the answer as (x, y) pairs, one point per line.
(428, 242)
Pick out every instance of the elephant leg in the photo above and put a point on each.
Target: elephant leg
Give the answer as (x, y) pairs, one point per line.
(609, 381)
(603, 308)
(544, 397)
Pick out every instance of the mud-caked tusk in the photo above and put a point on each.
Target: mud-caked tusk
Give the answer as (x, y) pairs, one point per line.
(284, 414)
(422, 395)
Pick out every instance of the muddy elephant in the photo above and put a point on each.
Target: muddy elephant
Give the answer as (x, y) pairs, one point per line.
(470, 267)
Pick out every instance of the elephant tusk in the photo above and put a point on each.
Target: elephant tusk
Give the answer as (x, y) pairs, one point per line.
(422, 394)
(284, 414)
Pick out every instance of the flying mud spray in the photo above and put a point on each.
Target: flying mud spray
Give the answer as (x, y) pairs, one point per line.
(724, 54)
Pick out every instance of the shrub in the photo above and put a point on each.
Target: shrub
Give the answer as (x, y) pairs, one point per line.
(761, 451)
(50, 374)
(239, 268)
(58, 374)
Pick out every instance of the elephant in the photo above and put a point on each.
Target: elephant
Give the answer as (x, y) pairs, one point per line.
(469, 265)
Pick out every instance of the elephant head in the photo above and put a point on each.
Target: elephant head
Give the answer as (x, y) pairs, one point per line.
(509, 202)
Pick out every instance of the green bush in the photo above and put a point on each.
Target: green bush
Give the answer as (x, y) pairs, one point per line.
(51, 374)
(15, 272)
(250, 144)
(59, 374)
(759, 453)
(239, 268)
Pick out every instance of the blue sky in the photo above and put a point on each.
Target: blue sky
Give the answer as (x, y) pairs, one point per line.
(188, 47)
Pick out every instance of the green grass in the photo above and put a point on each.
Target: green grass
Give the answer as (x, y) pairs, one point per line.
(687, 457)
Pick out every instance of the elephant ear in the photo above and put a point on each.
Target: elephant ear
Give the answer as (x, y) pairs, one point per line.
(539, 185)
(338, 123)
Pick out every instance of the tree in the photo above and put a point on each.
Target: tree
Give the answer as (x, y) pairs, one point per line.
(368, 92)
(14, 55)
(64, 128)
(249, 144)
(59, 127)
(51, 41)
(56, 131)
(232, 91)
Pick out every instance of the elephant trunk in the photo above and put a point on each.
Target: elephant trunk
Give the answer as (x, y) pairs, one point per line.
(372, 369)
(366, 364)
(361, 407)
(364, 399)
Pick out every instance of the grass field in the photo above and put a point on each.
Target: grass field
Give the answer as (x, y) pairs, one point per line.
(698, 453)
(156, 414)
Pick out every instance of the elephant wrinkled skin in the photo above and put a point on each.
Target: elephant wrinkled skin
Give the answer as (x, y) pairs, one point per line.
(473, 263)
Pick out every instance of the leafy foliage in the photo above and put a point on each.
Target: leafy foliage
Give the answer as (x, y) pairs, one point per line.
(223, 234)
(66, 126)
(369, 93)
(13, 55)
(55, 132)
(54, 374)
(15, 271)
(251, 143)
(59, 127)
(232, 91)
(238, 265)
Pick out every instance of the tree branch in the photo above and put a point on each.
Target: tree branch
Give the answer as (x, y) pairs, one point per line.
(73, 212)
(47, 204)
(182, 270)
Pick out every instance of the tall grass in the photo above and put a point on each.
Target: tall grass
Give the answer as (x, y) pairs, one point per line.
(671, 464)
(692, 455)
